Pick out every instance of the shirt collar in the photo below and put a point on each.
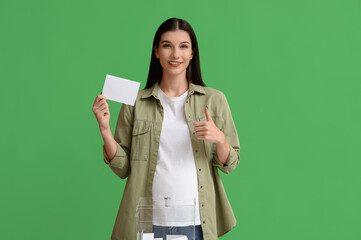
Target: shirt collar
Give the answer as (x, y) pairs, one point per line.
(153, 91)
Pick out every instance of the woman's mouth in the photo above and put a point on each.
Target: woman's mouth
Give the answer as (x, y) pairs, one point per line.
(174, 64)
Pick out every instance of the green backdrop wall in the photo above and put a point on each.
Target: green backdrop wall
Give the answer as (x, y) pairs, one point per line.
(290, 71)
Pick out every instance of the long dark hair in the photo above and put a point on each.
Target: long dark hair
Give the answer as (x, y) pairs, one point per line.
(193, 73)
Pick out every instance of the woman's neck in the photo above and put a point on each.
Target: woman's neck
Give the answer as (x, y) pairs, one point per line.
(174, 86)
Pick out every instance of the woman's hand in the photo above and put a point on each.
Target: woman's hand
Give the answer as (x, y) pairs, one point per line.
(208, 130)
(101, 112)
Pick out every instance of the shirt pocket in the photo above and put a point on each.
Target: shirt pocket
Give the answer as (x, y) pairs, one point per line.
(141, 141)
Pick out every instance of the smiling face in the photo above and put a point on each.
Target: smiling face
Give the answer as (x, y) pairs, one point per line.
(174, 52)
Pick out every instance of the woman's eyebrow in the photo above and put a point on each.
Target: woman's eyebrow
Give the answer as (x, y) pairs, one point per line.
(171, 42)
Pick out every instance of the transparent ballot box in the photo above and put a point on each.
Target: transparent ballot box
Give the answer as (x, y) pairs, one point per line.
(165, 219)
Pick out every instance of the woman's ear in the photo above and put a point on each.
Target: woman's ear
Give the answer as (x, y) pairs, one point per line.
(156, 51)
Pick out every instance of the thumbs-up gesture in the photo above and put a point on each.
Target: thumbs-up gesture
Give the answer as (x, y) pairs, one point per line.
(207, 130)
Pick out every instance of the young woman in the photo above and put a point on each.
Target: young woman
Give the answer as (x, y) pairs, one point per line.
(172, 142)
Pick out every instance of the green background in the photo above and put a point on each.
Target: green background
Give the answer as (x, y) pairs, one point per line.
(291, 73)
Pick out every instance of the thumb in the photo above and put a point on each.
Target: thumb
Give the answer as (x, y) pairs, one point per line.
(209, 119)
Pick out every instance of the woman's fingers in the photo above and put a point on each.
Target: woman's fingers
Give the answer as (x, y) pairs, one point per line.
(100, 105)
(98, 99)
(102, 109)
(206, 131)
(103, 112)
(201, 132)
(202, 128)
(199, 124)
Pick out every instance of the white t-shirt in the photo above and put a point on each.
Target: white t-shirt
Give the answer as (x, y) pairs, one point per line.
(175, 177)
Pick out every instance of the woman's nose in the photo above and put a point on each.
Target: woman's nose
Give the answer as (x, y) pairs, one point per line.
(175, 53)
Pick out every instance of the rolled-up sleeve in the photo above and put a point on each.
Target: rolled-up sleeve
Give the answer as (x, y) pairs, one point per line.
(123, 136)
(230, 132)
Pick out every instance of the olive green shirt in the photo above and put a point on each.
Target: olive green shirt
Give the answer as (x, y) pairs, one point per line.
(137, 134)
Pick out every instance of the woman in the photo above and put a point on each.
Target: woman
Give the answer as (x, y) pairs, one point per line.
(172, 142)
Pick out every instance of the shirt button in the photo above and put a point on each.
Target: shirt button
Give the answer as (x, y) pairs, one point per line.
(196, 150)
(189, 116)
(202, 205)
(201, 186)
(199, 169)
(194, 133)
(204, 221)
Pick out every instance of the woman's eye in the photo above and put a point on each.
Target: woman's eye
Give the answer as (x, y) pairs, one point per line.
(166, 45)
(185, 46)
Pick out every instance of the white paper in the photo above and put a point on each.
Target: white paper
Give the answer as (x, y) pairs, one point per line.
(148, 236)
(120, 89)
(158, 238)
(177, 237)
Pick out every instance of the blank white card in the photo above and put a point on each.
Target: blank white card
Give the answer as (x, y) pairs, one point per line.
(120, 89)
